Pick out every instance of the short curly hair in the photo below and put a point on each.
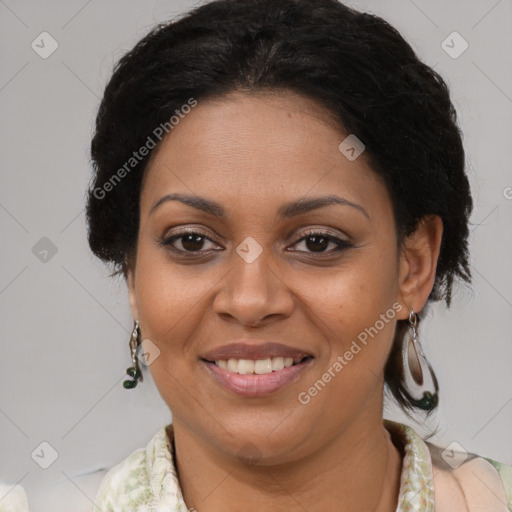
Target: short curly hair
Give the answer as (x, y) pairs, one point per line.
(354, 64)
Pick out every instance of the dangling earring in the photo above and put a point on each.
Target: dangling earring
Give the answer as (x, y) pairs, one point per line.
(134, 371)
(419, 378)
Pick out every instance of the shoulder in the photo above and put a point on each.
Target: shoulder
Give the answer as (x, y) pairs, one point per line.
(467, 482)
(447, 479)
(128, 485)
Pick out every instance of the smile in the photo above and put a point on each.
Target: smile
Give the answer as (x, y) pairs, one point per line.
(257, 378)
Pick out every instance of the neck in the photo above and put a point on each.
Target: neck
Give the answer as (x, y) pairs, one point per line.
(358, 471)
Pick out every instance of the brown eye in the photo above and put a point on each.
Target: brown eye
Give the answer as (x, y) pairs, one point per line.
(318, 242)
(190, 242)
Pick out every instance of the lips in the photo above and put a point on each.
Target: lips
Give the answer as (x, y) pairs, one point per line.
(296, 362)
(252, 349)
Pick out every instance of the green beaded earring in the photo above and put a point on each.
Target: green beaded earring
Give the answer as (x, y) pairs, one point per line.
(134, 370)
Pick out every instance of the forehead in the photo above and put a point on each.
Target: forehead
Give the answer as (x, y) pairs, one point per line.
(258, 148)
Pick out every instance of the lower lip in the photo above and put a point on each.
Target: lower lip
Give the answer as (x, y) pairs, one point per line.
(257, 385)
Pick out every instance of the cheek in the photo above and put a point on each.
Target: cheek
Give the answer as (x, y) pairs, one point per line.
(355, 310)
(352, 297)
(358, 321)
(171, 301)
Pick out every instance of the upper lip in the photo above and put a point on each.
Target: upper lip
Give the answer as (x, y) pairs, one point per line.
(254, 349)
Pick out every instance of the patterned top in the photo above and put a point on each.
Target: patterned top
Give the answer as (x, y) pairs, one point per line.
(146, 481)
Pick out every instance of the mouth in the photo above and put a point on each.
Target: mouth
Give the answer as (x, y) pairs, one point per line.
(253, 370)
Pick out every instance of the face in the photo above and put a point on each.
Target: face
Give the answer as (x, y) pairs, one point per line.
(259, 269)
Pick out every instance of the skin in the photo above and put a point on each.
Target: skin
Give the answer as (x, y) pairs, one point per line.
(252, 153)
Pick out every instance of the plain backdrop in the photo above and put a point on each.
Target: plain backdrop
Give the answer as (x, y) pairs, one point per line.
(65, 324)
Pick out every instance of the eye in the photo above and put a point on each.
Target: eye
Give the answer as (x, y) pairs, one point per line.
(191, 241)
(318, 241)
(194, 241)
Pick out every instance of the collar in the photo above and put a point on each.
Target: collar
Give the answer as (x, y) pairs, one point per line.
(417, 481)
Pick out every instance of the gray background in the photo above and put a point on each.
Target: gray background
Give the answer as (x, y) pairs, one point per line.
(65, 325)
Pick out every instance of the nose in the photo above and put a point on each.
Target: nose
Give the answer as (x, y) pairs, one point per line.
(253, 292)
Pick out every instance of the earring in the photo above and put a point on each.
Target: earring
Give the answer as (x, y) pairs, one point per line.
(419, 378)
(134, 371)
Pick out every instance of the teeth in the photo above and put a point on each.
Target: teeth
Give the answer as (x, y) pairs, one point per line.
(258, 367)
(261, 366)
(277, 363)
(245, 366)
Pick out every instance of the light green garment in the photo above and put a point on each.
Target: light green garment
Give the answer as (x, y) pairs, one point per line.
(146, 480)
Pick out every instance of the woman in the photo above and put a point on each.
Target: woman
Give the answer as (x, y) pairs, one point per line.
(281, 183)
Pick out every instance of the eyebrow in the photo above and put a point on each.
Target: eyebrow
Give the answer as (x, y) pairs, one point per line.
(287, 210)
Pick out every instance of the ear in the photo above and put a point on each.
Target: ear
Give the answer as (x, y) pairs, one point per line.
(418, 263)
(130, 281)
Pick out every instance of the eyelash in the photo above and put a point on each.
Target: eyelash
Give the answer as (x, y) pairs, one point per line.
(340, 243)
